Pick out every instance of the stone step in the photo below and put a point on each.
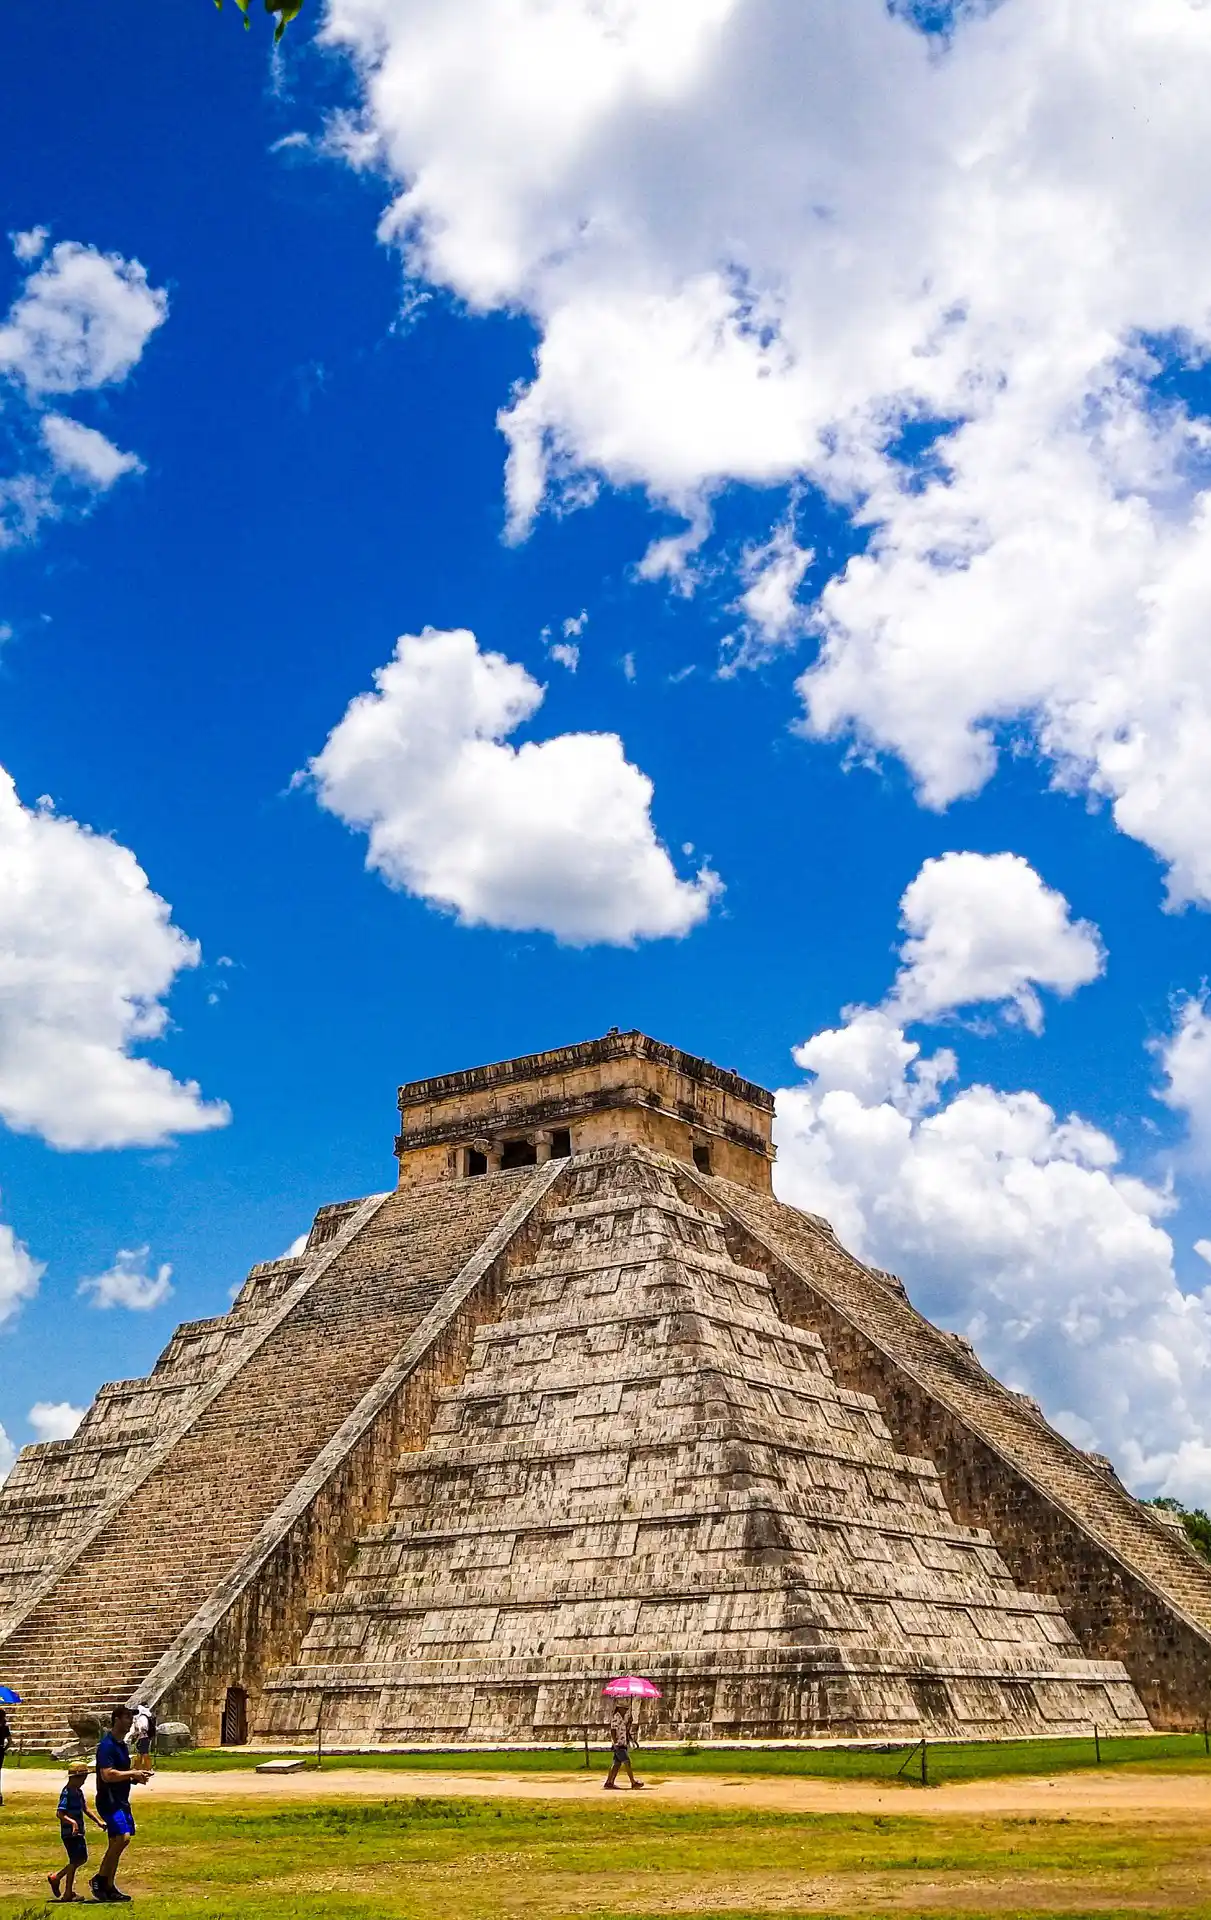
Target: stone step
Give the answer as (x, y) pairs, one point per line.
(710, 1575)
(1111, 1513)
(119, 1605)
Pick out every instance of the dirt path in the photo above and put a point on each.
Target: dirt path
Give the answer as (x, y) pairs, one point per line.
(1110, 1795)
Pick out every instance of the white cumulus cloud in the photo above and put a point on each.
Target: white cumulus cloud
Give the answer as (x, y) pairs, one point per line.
(555, 834)
(773, 617)
(1185, 1057)
(985, 928)
(1012, 1224)
(84, 453)
(55, 1419)
(31, 244)
(8, 1454)
(20, 1274)
(87, 954)
(129, 1283)
(1016, 1227)
(789, 242)
(81, 320)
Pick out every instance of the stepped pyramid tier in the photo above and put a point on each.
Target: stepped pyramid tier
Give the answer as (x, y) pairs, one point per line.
(580, 1396)
(646, 1468)
(184, 1504)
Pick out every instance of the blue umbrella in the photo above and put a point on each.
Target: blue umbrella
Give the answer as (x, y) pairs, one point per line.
(8, 1698)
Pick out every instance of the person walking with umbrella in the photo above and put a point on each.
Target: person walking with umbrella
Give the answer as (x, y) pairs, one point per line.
(623, 1733)
(622, 1738)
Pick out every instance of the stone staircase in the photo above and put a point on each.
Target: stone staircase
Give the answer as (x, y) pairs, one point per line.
(657, 1357)
(105, 1614)
(645, 1467)
(1002, 1419)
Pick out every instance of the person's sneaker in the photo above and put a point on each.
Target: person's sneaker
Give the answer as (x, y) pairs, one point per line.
(99, 1890)
(115, 1893)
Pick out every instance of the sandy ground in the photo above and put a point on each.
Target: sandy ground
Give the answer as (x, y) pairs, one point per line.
(1116, 1794)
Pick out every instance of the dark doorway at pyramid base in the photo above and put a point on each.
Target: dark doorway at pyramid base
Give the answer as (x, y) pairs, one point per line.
(235, 1718)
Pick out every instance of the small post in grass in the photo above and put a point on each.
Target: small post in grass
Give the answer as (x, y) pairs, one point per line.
(585, 1732)
(1097, 1745)
(319, 1734)
(908, 1759)
(1206, 1737)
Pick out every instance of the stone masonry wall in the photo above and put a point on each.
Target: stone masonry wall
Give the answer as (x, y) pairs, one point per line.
(1131, 1590)
(265, 1623)
(645, 1468)
(623, 1089)
(664, 1387)
(216, 1480)
(57, 1488)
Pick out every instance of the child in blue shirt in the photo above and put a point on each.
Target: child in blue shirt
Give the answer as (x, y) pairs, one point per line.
(72, 1814)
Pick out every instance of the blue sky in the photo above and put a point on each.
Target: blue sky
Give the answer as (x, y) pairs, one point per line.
(323, 469)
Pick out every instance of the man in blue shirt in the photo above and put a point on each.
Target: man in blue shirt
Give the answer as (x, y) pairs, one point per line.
(115, 1777)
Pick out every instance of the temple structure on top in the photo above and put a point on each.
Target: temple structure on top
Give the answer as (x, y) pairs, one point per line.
(624, 1090)
(578, 1395)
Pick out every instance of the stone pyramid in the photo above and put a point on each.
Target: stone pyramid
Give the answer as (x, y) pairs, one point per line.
(647, 1469)
(578, 1397)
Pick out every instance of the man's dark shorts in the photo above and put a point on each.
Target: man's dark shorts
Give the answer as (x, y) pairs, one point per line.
(120, 1824)
(75, 1846)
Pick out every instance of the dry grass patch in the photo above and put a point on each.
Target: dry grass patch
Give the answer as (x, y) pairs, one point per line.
(434, 1859)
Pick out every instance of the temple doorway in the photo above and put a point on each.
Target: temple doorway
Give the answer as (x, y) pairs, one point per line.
(235, 1718)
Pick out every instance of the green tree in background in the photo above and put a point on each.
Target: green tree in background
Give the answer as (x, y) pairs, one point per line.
(284, 9)
(1196, 1522)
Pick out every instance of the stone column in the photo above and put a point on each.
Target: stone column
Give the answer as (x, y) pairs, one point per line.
(542, 1144)
(494, 1151)
(475, 1146)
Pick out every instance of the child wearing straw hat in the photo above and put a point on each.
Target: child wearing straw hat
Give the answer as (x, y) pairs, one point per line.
(73, 1812)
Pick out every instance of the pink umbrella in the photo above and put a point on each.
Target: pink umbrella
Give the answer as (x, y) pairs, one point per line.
(630, 1687)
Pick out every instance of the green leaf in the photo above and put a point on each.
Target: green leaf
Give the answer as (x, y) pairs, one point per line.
(286, 11)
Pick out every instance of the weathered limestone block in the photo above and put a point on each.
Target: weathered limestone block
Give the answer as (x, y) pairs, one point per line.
(173, 1736)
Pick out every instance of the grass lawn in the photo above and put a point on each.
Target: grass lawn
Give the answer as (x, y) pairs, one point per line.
(947, 1760)
(445, 1859)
